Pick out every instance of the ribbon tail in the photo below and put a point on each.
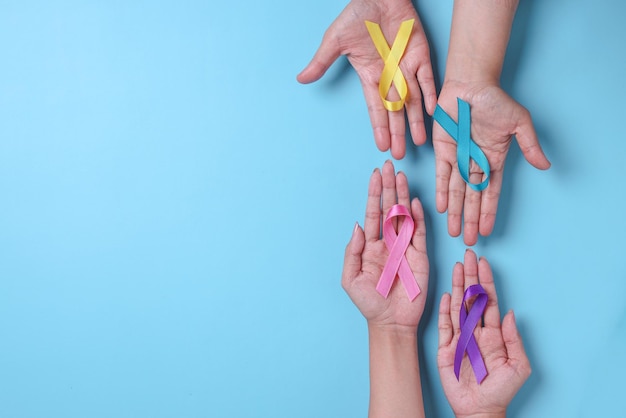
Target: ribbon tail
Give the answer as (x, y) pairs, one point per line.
(476, 360)
(391, 268)
(386, 281)
(378, 39)
(408, 280)
(446, 122)
(463, 140)
(461, 346)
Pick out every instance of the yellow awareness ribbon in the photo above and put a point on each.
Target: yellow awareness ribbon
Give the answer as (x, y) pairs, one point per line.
(391, 70)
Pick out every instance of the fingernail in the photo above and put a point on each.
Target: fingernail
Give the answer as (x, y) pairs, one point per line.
(356, 228)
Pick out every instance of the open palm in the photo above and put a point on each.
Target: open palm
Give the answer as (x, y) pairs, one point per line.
(366, 255)
(496, 118)
(348, 36)
(499, 343)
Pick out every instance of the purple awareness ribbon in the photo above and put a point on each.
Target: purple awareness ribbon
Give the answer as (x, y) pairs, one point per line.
(397, 245)
(467, 341)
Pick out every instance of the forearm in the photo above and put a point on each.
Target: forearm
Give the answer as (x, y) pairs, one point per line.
(395, 386)
(478, 39)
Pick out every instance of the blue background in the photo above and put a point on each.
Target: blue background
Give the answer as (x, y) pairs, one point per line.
(174, 208)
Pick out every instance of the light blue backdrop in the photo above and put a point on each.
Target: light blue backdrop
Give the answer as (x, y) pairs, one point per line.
(174, 208)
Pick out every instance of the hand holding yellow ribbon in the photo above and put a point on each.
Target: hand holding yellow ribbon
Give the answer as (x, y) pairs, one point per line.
(391, 71)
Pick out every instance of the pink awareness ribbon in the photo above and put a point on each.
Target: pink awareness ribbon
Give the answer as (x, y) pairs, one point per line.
(467, 341)
(397, 263)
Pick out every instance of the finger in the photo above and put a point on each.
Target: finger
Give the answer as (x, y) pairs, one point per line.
(471, 211)
(491, 316)
(443, 170)
(404, 199)
(372, 207)
(529, 144)
(397, 132)
(414, 112)
(352, 258)
(419, 233)
(446, 330)
(470, 268)
(489, 203)
(514, 346)
(458, 281)
(418, 242)
(389, 187)
(379, 117)
(456, 197)
(402, 190)
(325, 55)
(471, 277)
(427, 86)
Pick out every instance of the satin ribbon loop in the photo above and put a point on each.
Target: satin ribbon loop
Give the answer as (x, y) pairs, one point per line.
(467, 341)
(466, 147)
(391, 57)
(397, 245)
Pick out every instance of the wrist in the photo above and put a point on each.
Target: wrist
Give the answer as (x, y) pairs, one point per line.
(466, 90)
(392, 331)
(501, 414)
(464, 68)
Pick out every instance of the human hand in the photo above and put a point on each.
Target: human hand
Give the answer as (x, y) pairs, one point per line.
(500, 345)
(366, 254)
(348, 36)
(496, 117)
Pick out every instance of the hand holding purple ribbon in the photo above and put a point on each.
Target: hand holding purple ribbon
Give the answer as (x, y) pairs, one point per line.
(499, 344)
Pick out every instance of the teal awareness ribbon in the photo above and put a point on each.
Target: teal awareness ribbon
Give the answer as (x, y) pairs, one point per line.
(466, 148)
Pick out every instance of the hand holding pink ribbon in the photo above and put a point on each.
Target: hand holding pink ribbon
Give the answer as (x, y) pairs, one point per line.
(397, 244)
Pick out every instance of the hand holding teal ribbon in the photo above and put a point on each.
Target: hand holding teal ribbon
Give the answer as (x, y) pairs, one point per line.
(466, 149)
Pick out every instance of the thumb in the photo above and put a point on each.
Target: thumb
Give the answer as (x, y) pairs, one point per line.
(324, 57)
(529, 144)
(514, 346)
(352, 258)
